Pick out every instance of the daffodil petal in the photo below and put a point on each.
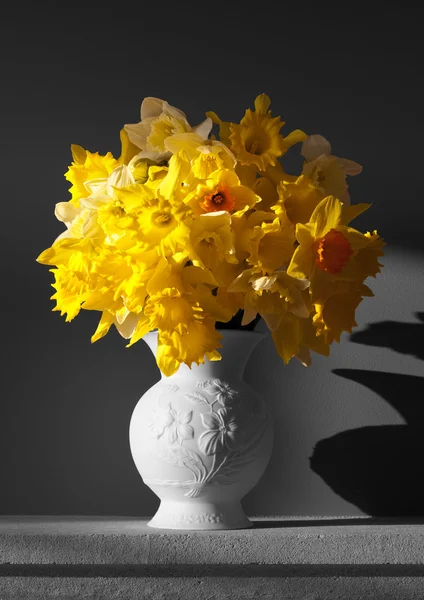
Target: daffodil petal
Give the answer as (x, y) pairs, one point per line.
(327, 215)
(204, 129)
(314, 146)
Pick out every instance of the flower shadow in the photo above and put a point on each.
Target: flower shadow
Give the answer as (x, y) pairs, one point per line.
(379, 468)
(405, 338)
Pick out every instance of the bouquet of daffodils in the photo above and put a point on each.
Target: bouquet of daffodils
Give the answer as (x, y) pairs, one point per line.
(187, 230)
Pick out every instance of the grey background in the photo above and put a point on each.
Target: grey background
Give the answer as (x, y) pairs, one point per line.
(348, 442)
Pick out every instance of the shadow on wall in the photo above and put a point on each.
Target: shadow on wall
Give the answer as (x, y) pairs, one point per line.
(379, 468)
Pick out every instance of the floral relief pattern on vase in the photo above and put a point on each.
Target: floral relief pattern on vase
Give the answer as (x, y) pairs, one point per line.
(194, 519)
(222, 437)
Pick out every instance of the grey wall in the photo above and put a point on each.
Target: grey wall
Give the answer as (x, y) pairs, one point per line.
(343, 445)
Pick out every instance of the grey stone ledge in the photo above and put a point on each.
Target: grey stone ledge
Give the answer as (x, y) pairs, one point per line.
(284, 542)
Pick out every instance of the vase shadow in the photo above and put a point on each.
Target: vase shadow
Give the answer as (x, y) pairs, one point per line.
(333, 522)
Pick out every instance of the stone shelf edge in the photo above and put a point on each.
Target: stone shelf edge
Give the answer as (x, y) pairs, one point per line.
(272, 542)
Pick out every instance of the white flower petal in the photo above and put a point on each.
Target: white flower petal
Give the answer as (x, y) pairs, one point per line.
(95, 202)
(96, 187)
(138, 133)
(66, 212)
(120, 177)
(176, 113)
(314, 146)
(204, 128)
(127, 326)
(155, 156)
(349, 166)
(263, 283)
(151, 107)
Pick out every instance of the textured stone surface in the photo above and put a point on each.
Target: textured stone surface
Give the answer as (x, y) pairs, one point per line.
(122, 541)
(213, 588)
(284, 559)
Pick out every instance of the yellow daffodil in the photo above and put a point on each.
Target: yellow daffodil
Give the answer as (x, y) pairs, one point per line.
(269, 244)
(221, 192)
(160, 121)
(200, 341)
(336, 313)
(267, 192)
(178, 294)
(309, 340)
(298, 199)
(128, 149)
(295, 337)
(73, 260)
(139, 168)
(205, 157)
(326, 171)
(82, 221)
(85, 167)
(185, 231)
(326, 243)
(212, 246)
(367, 258)
(224, 127)
(212, 241)
(71, 291)
(77, 219)
(76, 254)
(257, 139)
(156, 222)
(276, 174)
(337, 259)
(211, 158)
(123, 291)
(271, 296)
(172, 310)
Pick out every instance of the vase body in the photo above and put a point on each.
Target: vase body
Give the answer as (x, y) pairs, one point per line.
(202, 438)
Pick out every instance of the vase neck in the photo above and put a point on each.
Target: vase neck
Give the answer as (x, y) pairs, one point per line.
(237, 346)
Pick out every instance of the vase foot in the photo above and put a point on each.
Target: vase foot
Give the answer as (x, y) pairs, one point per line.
(199, 516)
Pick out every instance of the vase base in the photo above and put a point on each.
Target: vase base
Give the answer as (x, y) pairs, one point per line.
(199, 516)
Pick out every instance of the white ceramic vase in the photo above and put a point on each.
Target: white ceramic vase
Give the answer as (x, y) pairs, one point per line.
(201, 439)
